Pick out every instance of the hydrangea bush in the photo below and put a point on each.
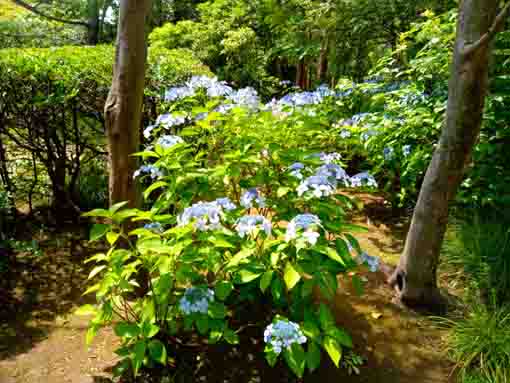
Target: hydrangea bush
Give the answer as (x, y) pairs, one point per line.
(242, 205)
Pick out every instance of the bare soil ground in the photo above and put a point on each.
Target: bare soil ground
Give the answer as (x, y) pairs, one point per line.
(42, 341)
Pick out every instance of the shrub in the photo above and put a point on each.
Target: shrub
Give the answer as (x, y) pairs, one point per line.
(241, 211)
(53, 100)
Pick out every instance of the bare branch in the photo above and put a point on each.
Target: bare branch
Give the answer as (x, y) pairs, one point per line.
(34, 9)
(489, 35)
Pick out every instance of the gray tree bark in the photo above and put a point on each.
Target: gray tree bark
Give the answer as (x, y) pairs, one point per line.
(123, 109)
(415, 277)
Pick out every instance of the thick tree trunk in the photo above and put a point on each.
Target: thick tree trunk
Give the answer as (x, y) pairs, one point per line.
(322, 65)
(415, 277)
(123, 109)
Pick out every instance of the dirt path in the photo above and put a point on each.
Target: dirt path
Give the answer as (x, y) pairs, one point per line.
(41, 341)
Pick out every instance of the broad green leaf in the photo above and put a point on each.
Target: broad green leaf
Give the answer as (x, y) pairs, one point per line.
(98, 230)
(112, 237)
(127, 330)
(157, 351)
(277, 288)
(358, 285)
(331, 253)
(231, 337)
(246, 276)
(162, 286)
(313, 356)
(326, 318)
(282, 190)
(243, 254)
(295, 358)
(96, 270)
(266, 279)
(149, 330)
(271, 358)
(86, 310)
(98, 213)
(217, 310)
(223, 289)
(122, 215)
(154, 186)
(220, 242)
(290, 276)
(341, 336)
(333, 349)
(138, 355)
(114, 208)
(311, 330)
(202, 323)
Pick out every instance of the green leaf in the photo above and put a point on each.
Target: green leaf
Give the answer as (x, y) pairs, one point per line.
(333, 349)
(358, 285)
(326, 318)
(341, 336)
(313, 356)
(290, 276)
(295, 358)
(243, 254)
(98, 213)
(223, 289)
(114, 208)
(86, 310)
(219, 242)
(271, 358)
(217, 310)
(149, 330)
(163, 286)
(127, 330)
(230, 336)
(112, 237)
(307, 288)
(311, 330)
(138, 355)
(96, 270)
(157, 351)
(266, 279)
(328, 284)
(154, 186)
(202, 323)
(331, 253)
(122, 215)
(246, 276)
(91, 333)
(282, 190)
(277, 288)
(98, 230)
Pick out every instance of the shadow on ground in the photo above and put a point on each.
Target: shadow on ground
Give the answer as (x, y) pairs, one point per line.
(35, 290)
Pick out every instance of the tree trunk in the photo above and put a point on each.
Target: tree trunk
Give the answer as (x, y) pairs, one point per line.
(415, 277)
(93, 22)
(322, 65)
(123, 109)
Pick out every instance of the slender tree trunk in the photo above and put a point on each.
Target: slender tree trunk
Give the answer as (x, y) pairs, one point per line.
(123, 109)
(322, 66)
(93, 22)
(415, 277)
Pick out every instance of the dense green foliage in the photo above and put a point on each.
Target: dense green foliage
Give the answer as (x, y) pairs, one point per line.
(51, 114)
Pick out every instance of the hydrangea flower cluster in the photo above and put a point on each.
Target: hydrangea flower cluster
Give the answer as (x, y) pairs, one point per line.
(168, 141)
(306, 222)
(249, 224)
(345, 133)
(363, 179)
(319, 185)
(178, 93)
(283, 334)
(250, 196)
(406, 150)
(247, 97)
(206, 215)
(154, 226)
(213, 87)
(372, 261)
(335, 172)
(196, 300)
(295, 170)
(152, 170)
(226, 204)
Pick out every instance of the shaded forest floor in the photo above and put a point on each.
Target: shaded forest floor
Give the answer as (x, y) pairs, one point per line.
(42, 341)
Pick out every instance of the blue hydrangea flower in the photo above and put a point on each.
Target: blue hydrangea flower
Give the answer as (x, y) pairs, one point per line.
(224, 108)
(168, 120)
(329, 158)
(358, 118)
(168, 141)
(226, 204)
(286, 83)
(196, 300)
(372, 261)
(245, 97)
(151, 170)
(295, 170)
(406, 150)
(201, 116)
(283, 334)
(148, 130)
(201, 82)
(250, 196)
(249, 224)
(219, 89)
(318, 185)
(333, 171)
(363, 179)
(388, 153)
(154, 226)
(307, 223)
(345, 133)
(178, 93)
(205, 215)
(368, 133)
